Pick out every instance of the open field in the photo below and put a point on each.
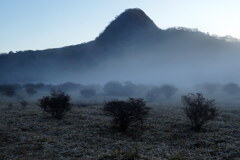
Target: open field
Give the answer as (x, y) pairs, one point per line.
(86, 133)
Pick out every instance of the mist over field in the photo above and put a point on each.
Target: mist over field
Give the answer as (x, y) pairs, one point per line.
(132, 48)
(134, 92)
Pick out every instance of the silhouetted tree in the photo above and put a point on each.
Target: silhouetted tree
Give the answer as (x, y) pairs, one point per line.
(57, 104)
(9, 90)
(127, 112)
(199, 110)
(231, 88)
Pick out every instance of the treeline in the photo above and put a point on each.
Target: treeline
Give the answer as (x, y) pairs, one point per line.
(111, 89)
(116, 89)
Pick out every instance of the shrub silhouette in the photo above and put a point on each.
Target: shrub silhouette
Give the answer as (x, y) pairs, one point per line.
(57, 104)
(32, 89)
(88, 92)
(199, 110)
(231, 88)
(124, 113)
(9, 90)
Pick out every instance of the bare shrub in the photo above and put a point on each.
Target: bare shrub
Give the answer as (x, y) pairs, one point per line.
(124, 113)
(57, 104)
(199, 110)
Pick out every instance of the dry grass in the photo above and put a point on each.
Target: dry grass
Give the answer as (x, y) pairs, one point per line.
(85, 133)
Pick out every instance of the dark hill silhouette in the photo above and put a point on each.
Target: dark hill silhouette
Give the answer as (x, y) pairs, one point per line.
(132, 48)
(131, 23)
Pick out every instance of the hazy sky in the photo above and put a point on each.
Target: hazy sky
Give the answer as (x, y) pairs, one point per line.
(40, 24)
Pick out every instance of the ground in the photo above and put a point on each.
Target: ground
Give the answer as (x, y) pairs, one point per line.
(86, 133)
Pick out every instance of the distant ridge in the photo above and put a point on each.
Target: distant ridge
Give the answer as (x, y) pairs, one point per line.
(131, 48)
(130, 22)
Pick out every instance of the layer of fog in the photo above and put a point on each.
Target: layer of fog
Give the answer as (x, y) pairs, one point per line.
(226, 95)
(180, 58)
(183, 70)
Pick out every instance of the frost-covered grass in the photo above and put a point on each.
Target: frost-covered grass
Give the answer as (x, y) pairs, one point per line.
(86, 133)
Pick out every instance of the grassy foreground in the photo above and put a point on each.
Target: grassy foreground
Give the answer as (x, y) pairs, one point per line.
(85, 133)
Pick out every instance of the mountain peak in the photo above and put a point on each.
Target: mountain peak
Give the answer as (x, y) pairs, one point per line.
(130, 22)
(135, 15)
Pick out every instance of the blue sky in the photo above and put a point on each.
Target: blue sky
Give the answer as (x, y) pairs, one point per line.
(41, 24)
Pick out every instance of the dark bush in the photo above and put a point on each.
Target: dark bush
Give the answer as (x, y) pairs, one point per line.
(231, 88)
(57, 104)
(88, 92)
(9, 90)
(125, 113)
(199, 110)
(32, 89)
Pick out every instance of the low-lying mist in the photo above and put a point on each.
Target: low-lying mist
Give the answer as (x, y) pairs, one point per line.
(131, 48)
(224, 94)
